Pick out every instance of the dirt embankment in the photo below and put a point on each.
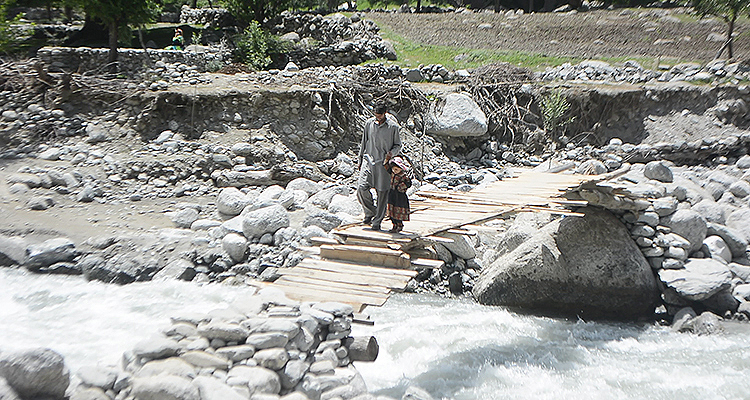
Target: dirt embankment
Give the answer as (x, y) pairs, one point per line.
(626, 33)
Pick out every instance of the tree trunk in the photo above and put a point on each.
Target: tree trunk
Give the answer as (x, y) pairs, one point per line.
(419, 5)
(113, 28)
(730, 30)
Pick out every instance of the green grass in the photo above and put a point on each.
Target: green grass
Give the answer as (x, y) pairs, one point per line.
(411, 54)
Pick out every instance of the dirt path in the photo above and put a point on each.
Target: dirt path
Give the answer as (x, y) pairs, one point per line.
(627, 33)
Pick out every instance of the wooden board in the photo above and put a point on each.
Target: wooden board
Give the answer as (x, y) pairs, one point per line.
(392, 282)
(367, 255)
(354, 267)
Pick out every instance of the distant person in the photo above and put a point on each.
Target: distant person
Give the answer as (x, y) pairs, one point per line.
(178, 41)
(381, 141)
(398, 201)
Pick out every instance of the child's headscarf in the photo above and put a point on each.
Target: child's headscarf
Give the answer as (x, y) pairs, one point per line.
(401, 163)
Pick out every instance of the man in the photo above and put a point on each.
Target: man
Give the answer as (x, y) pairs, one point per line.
(380, 141)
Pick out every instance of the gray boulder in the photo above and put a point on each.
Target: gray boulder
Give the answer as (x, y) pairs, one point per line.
(232, 201)
(38, 373)
(211, 388)
(321, 218)
(460, 116)
(524, 226)
(257, 379)
(659, 171)
(165, 387)
(49, 252)
(265, 220)
(7, 392)
(235, 246)
(461, 245)
(700, 278)
(304, 184)
(12, 250)
(717, 248)
(587, 266)
(688, 224)
(739, 220)
(179, 268)
(713, 211)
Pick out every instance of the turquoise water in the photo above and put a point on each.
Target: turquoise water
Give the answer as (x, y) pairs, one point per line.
(453, 349)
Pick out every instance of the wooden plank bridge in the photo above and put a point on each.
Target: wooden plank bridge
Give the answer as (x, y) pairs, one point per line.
(363, 267)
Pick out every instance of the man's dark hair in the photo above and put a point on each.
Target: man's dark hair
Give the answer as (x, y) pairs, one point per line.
(380, 108)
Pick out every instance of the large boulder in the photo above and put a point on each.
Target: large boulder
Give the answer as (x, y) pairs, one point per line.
(165, 387)
(460, 116)
(12, 250)
(699, 279)
(38, 373)
(586, 266)
(265, 220)
(688, 224)
(739, 220)
(232, 201)
(49, 252)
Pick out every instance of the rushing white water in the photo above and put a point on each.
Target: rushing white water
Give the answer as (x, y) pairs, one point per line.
(453, 349)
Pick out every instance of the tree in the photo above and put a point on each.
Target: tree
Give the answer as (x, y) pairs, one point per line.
(8, 34)
(728, 10)
(246, 11)
(118, 15)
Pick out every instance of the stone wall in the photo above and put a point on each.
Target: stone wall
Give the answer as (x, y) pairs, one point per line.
(131, 61)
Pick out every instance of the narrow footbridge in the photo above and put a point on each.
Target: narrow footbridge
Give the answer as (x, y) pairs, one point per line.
(363, 267)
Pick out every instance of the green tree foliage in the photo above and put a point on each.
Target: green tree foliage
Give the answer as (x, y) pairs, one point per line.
(554, 107)
(8, 33)
(728, 10)
(246, 11)
(254, 46)
(119, 15)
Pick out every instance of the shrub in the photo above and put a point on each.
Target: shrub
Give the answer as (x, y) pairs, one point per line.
(254, 47)
(554, 106)
(9, 35)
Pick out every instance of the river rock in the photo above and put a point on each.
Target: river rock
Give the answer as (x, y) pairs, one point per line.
(569, 265)
(688, 224)
(257, 379)
(461, 245)
(659, 171)
(231, 201)
(235, 246)
(38, 373)
(739, 220)
(7, 392)
(179, 268)
(98, 376)
(524, 226)
(347, 204)
(700, 278)
(416, 393)
(168, 366)
(156, 347)
(225, 331)
(236, 353)
(460, 116)
(273, 358)
(211, 388)
(713, 211)
(267, 340)
(165, 387)
(49, 252)
(735, 242)
(717, 248)
(265, 220)
(304, 184)
(321, 218)
(202, 359)
(12, 250)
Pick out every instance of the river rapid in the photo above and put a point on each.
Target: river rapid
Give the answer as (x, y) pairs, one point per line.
(454, 349)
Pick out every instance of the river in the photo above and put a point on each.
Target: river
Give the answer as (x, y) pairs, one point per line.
(454, 349)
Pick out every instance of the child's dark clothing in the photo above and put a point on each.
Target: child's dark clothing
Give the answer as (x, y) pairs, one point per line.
(398, 201)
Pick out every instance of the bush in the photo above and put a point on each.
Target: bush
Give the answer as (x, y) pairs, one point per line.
(554, 106)
(254, 47)
(9, 35)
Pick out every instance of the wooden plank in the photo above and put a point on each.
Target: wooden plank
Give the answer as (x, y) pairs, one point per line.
(462, 231)
(370, 290)
(365, 254)
(438, 239)
(347, 276)
(317, 240)
(427, 263)
(316, 292)
(341, 265)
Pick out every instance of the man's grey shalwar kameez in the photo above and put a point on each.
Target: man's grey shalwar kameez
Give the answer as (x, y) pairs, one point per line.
(377, 141)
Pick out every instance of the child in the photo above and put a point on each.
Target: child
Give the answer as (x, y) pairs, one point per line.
(398, 202)
(177, 41)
